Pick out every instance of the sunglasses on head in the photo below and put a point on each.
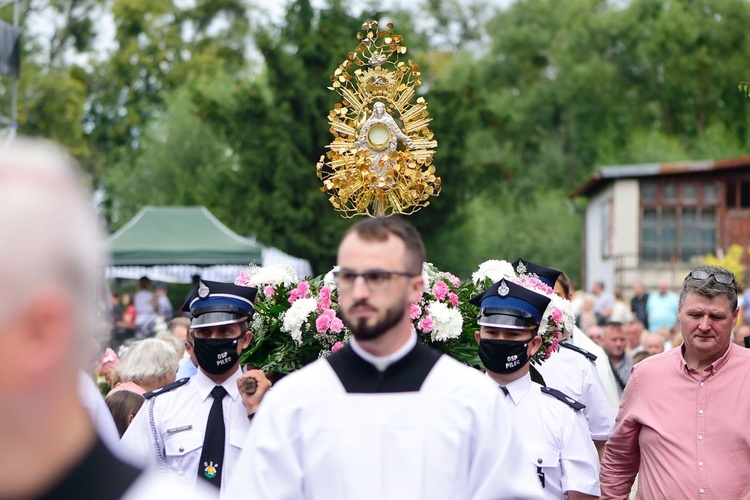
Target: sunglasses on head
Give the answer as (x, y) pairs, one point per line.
(723, 278)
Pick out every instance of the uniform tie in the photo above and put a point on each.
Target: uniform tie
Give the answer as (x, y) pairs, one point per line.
(505, 390)
(212, 455)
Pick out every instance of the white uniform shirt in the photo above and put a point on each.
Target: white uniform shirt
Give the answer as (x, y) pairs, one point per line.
(557, 437)
(583, 341)
(180, 417)
(313, 440)
(575, 375)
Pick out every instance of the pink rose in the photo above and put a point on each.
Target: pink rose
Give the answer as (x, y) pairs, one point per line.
(322, 323)
(453, 299)
(303, 288)
(324, 298)
(415, 311)
(557, 316)
(293, 295)
(453, 279)
(426, 324)
(336, 325)
(337, 346)
(269, 291)
(243, 279)
(440, 290)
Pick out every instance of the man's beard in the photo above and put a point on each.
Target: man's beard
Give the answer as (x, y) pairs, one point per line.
(362, 331)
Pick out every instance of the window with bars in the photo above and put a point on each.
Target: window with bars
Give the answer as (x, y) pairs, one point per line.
(678, 219)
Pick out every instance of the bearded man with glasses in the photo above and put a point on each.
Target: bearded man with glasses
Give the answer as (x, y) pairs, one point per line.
(681, 424)
(385, 417)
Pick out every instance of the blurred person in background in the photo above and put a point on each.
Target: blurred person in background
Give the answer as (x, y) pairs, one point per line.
(661, 307)
(653, 343)
(615, 341)
(634, 331)
(51, 250)
(147, 365)
(124, 405)
(638, 303)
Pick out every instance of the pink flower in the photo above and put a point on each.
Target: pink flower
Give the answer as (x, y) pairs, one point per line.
(336, 324)
(243, 279)
(453, 279)
(426, 324)
(269, 291)
(453, 299)
(300, 292)
(323, 322)
(539, 285)
(557, 316)
(337, 346)
(324, 298)
(415, 311)
(440, 290)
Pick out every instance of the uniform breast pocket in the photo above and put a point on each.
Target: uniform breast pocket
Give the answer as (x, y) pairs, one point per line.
(545, 456)
(182, 447)
(546, 460)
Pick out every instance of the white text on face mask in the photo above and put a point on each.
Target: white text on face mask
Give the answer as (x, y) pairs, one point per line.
(512, 361)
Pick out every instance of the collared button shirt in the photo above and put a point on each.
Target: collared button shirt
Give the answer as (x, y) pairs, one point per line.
(180, 418)
(685, 432)
(573, 373)
(557, 440)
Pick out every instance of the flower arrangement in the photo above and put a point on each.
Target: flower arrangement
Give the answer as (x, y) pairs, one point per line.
(558, 320)
(107, 374)
(295, 321)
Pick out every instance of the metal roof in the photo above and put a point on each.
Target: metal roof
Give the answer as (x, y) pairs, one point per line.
(605, 175)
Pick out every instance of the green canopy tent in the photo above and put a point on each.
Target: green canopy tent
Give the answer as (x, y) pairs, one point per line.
(179, 236)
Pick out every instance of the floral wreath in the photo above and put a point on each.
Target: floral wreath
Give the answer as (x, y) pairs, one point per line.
(558, 320)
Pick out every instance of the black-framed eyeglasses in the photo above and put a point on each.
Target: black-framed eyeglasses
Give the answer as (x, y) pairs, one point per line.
(376, 280)
(723, 278)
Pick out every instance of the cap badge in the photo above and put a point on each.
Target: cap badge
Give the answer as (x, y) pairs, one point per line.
(503, 290)
(521, 269)
(203, 290)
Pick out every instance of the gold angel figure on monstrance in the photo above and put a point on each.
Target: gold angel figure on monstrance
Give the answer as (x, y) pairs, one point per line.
(380, 160)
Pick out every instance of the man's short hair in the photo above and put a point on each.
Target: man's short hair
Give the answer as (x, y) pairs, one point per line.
(709, 287)
(379, 228)
(148, 361)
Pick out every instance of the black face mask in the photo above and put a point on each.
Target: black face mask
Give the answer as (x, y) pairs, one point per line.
(216, 356)
(503, 356)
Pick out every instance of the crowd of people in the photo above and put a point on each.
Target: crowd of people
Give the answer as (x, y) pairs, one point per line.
(385, 416)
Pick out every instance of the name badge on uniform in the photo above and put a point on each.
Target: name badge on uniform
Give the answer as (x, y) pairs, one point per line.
(179, 429)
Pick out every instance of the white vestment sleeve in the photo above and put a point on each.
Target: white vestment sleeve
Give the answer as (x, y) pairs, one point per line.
(269, 467)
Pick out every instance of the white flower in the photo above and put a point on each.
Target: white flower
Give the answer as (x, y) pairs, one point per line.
(296, 316)
(569, 319)
(274, 275)
(329, 280)
(448, 321)
(495, 270)
(428, 274)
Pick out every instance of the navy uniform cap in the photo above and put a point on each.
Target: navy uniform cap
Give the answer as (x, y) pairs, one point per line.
(212, 303)
(508, 305)
(547, 275)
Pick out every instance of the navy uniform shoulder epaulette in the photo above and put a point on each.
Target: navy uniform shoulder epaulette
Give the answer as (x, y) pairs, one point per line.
(167, 388)
(564, 398)
(572, 347)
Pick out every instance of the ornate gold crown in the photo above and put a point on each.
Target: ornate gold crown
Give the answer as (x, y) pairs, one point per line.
(380, 160)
